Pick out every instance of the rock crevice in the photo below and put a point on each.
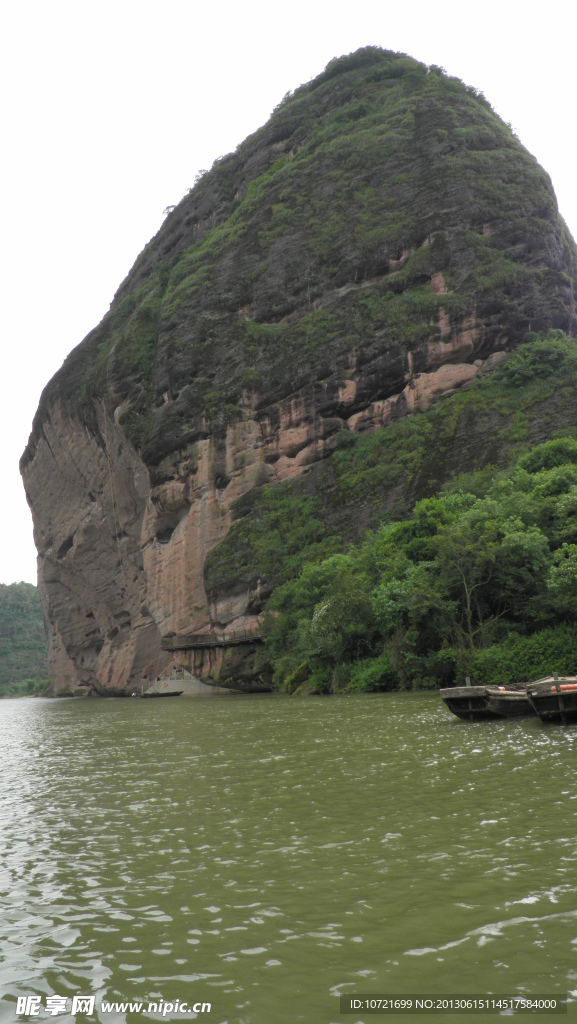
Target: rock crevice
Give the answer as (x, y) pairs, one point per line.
(380, 242)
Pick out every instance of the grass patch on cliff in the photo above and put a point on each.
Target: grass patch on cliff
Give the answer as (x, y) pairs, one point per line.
(418, 449)
(277, 530)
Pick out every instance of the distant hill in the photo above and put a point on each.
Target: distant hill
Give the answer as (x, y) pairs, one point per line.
(23, 655)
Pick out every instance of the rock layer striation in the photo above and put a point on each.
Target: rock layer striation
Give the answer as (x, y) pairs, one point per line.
(381, 241)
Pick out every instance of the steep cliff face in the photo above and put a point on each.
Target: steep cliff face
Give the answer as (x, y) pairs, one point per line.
(381, 241)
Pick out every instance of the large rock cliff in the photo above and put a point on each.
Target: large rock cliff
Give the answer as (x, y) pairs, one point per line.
(381, 241)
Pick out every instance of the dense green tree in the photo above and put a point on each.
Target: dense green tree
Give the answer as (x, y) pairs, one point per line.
(447, 592)
(562, 579)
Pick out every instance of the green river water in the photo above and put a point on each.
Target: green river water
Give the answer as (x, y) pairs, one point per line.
(269, 854)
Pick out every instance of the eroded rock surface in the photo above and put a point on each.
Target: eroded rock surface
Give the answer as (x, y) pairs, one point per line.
(379, 243)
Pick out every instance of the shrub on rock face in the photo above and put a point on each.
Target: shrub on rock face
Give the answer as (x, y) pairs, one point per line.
(550, 454)
(541, 359)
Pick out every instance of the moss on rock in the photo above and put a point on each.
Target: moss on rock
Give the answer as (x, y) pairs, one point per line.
(320, 235)
(380, 475)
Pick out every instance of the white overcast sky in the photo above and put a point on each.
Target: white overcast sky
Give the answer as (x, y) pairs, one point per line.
(109, 109)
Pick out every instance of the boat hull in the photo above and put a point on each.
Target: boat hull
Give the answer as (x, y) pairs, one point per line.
(482, 703)
(509, 704)
(156, 696)
(555, 700)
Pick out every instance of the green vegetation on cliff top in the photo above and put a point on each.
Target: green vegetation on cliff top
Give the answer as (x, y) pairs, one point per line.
(320, 234)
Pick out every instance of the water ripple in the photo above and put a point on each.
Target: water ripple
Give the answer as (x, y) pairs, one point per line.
(344, 845)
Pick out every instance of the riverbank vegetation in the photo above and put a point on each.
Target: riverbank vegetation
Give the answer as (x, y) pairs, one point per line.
(478, 580)
(23, 656)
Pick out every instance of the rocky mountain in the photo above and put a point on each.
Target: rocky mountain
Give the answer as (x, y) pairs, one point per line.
(383, 240)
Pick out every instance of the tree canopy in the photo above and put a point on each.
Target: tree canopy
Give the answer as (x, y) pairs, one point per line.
(475, 574)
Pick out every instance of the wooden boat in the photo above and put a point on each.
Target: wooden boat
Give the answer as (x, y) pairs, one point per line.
(182, 682)
(166, 693)
(509, 702)
(554, 698)
(479, 703)
(165, 686)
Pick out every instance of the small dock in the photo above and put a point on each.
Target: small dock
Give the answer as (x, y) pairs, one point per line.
(186, 641)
